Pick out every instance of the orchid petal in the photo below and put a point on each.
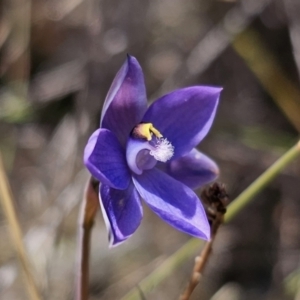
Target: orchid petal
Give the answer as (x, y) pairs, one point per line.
(174, 202)
(122, 212)
(126, 101)
(194, 169)
(105, 159)
(184, 116)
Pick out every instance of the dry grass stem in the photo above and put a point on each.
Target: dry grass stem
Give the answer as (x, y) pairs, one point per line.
(6, 199)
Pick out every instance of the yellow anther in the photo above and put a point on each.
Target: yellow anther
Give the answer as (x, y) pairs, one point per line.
(145, 131)
(155, 131)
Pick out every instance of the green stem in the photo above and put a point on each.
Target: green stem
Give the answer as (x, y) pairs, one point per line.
(192, 246)
(261, 182)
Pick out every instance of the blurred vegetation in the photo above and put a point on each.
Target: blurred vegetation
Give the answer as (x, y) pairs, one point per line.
(58, 59)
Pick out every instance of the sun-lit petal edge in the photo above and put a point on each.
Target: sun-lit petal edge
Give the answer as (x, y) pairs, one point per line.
(135, 213)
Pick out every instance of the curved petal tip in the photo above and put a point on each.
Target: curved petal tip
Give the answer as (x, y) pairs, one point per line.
(122, 212)
(194, 169)
(126, 100)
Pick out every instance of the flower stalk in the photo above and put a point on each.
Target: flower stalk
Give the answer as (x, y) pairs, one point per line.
(88, 212)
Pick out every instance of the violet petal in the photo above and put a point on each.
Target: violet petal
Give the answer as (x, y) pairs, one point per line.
(105, 159)
(122, 212)
(184, 116)
(194, 169)
(126, 101)
(174, 202)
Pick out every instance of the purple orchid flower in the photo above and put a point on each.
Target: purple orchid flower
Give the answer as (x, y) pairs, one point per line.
(150, 153)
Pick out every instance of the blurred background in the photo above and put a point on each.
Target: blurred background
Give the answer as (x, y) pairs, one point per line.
(58, 58)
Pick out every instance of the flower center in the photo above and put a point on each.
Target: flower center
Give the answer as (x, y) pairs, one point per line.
(163, 150)
(145, 147)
